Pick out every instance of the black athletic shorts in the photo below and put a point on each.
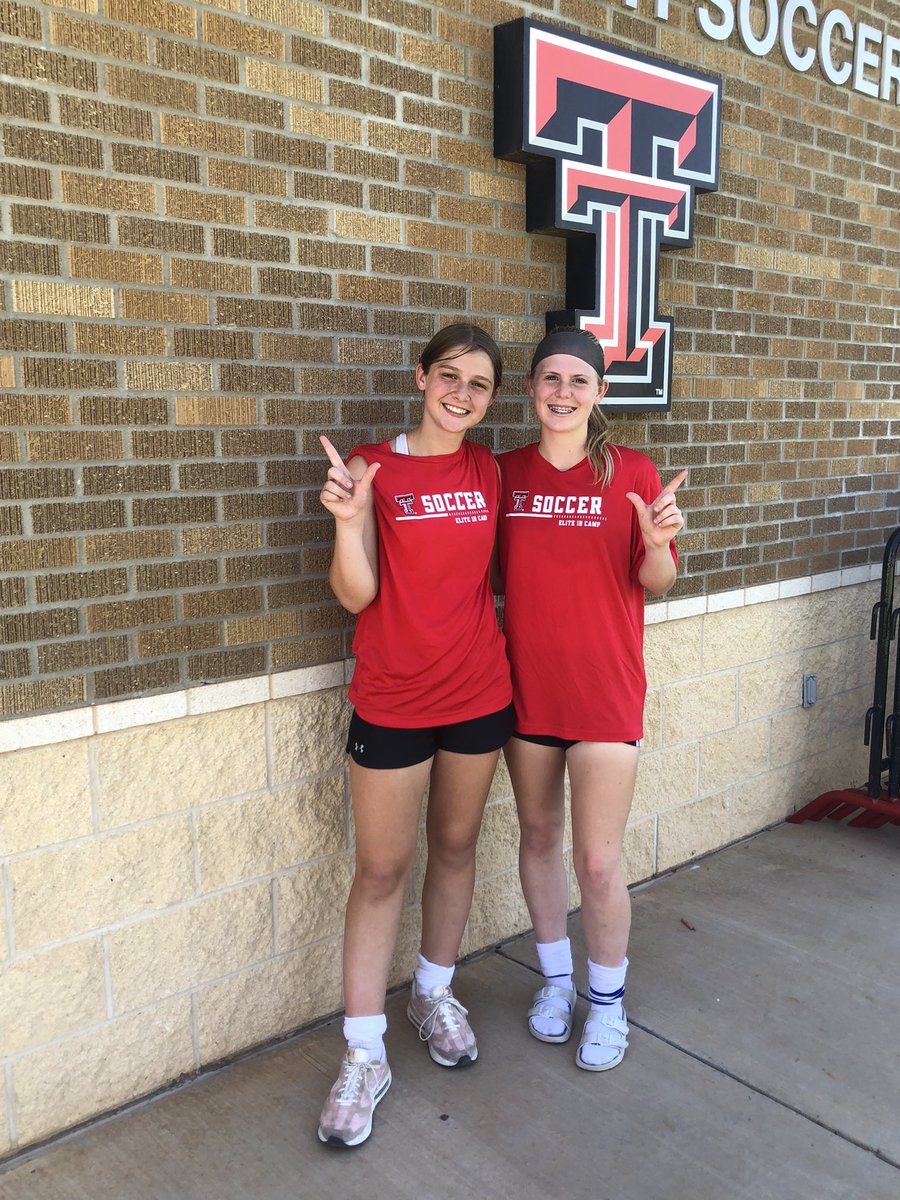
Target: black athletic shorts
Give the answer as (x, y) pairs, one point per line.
(546, 739)
(385, 749)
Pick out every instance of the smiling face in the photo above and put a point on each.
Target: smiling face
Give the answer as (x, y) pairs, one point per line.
(565, 389)
(459, 389)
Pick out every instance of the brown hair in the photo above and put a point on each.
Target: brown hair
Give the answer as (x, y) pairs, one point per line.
(460, 338)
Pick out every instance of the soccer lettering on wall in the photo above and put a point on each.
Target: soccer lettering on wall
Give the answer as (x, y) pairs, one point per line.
(617, 145)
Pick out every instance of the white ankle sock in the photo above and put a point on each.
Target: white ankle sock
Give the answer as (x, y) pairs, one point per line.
(366, 1033)
(556, 964)
(431, 975)
(606, 989)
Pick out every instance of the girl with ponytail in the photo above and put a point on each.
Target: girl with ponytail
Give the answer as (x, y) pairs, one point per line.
(585, 528)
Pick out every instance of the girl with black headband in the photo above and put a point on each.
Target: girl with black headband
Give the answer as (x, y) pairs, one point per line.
(585, 528)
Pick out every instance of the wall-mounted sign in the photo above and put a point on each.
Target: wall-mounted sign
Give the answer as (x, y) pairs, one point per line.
(617, 145)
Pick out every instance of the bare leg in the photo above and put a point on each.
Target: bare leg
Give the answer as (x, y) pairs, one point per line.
(538, 777)
(386, 807)
(603, 776)
(456, 799)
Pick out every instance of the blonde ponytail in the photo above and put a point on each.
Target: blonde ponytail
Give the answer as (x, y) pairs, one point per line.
(598, 448)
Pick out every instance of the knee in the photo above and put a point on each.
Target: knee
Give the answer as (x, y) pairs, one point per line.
(380, 879)
(453, 847)
(599, 875)
(542, 838)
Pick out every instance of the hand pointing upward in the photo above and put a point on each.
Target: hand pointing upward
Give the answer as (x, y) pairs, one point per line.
(662, 519)
(347, 493)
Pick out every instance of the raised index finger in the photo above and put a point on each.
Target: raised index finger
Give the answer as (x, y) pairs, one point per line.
(676, 482)
(334, 457)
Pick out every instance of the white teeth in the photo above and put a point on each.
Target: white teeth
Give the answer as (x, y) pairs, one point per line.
(457, 412)
(559, 411)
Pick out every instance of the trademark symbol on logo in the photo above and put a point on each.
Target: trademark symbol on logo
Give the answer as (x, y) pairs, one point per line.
(617, 146)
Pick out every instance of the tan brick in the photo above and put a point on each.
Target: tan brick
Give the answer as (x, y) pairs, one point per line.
(329, 126)
(262, 629)
(263, 834)
(283, 81)
(736, 636)
(498, 909)
(221, 540)
(50, 995)
(62, 299)
(293, 217)
(159, 164)
(18, 180)
(233, 740)
(167, 377)
(295, 15)
(169, 307)
(189, 945)
(198, 134)
(767, 688)
(667, 778)
(125, 614)
(391, 136)
(269, 1000)
(47, 796)
(36, 554)
(733, 756)
(120, 195)
(62, 1084)
(86, 113)
(433, 55)
(118, 266)
(198, 61)
(311, 901)
(307, 734)
(145, 87)
(215, 277)
(62, 892)
(191, 205)
(7, 372)
(215, 410)
(698, 708)
(154, 14)
(108, 41)
(694, 829)
(248, 177)
(119, 340)
(242, 36)
(126, 547)
(36, 65)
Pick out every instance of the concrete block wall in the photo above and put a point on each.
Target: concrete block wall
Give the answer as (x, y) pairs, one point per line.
(174, 869)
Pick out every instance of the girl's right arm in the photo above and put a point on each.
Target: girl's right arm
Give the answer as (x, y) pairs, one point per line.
(347, 495)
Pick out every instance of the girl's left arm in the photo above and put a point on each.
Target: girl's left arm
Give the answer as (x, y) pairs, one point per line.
(659, 523)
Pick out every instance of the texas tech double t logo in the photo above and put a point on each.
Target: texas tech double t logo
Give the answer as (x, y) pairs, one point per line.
(616, 144)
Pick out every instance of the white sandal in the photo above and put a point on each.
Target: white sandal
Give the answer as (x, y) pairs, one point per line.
(545, 1004)
(603, 1029)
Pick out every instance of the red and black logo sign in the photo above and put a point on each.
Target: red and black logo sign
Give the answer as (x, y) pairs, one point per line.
(617, 145)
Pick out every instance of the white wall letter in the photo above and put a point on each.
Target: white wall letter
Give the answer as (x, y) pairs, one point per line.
(831, 21)
(723, 31)
(799, 62)
(756, 45)
(890, 68)
(864, 57)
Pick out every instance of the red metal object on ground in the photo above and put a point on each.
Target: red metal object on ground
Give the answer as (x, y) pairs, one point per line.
(876, 804)
(873, 812)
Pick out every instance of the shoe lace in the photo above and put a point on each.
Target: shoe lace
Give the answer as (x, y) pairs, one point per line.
(444, 1008)
(353, 1076)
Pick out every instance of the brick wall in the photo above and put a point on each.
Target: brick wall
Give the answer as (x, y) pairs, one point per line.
(229, 227)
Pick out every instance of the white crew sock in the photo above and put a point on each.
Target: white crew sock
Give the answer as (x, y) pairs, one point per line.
(366, 1033)
(606, 989)
(556, 964)
(431, 975)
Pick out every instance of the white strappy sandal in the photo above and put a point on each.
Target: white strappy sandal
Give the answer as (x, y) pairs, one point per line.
(603, 1029)
(545, 1003)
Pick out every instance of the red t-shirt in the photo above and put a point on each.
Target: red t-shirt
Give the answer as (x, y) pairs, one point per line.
(429, 649)
(574, 616)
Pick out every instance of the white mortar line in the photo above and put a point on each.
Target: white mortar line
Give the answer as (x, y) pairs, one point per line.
(10, 1105)
(7, 908)
(21, 733)
(107, 976)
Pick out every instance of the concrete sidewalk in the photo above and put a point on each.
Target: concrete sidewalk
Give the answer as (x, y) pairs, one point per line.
(764, 1063)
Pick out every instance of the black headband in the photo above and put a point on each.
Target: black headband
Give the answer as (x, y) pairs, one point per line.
(570, 341)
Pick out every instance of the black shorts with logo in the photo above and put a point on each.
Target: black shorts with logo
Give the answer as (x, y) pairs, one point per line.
(384, 749)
